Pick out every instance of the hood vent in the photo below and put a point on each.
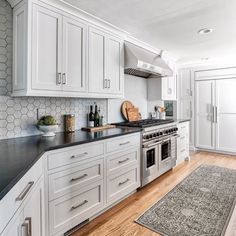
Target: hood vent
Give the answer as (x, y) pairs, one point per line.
(143, 63)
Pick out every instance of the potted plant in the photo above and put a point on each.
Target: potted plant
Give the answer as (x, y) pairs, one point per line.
(48, 125)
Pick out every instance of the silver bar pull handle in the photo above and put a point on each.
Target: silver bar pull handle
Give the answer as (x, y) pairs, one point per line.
(120, 162)
(25, 191)
(29, 219)
(109, 83)
(25, 229)
(105, 83)
(121, 183)
(213, 114)
(58, 78)
(78, 178)
(121, 144)
(79, 205)
(64, 78)
(80, 155)
(216, 115)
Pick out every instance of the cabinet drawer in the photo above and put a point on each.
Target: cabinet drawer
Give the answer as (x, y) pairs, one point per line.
(13, 200)
(123, 143)
(119, 161)
(72, 155)
(72, 209)
(67, 181)
(121, 185)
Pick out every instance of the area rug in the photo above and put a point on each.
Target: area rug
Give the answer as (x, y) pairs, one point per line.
(200, 205)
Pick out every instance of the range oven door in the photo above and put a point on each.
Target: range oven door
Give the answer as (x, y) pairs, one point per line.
(167, 154)
(150, 163)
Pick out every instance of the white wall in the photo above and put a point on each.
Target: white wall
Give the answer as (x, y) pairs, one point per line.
(136, 92)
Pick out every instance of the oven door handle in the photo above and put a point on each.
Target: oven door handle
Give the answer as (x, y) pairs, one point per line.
(151, 145)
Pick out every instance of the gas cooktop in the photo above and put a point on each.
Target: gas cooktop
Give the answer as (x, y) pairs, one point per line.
(145, 123)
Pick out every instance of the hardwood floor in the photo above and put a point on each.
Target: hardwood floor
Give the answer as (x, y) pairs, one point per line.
(119, 220)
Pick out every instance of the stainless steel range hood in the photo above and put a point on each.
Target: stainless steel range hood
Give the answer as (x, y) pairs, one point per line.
(143, 63)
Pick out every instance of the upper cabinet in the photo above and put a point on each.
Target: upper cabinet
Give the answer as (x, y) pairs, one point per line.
(106, 70)
(164, 88)
(169, 84)
(185, 85)
(54, 55)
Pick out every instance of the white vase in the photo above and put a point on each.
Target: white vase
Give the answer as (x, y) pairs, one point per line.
(48, 130)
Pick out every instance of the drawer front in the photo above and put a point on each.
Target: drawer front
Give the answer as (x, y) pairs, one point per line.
(120, 161)
(123, 143)
(12, 201)
(121, 185)
(72, 179)
(72, 155)
(70, 210)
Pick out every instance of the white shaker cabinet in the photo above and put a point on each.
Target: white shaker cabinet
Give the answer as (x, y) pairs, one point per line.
(204, 114)
(169, 84)
(46, 49)
(215, 111)
(106, 75)
(225, 115)
(29, 219)
(74, 55)
(59, 52)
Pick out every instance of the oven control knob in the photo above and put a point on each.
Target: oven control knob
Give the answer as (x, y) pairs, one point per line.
(161, 133)
(157, 134)
(154, 135)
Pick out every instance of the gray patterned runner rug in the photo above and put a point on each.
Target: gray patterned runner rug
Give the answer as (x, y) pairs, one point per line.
(200, 205)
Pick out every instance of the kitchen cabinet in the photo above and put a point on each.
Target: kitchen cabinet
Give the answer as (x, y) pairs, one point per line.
(225, 115)
(29, 219)
(215, 113)
(183, 142)
(185, 84)
(205, 126)
(164, 88)
(169, 84)
(84, 180)
(54, 55)
(106, 74)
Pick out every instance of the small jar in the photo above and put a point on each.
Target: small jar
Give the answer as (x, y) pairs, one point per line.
(69, 123)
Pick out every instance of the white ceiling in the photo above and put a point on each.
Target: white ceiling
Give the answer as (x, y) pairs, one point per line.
(172, 25)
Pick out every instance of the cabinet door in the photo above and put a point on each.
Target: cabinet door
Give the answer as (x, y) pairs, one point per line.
(46, 49)
(34, 212)
(184, 81)
(205, 131)
(169, 85)
(226, 115)
(74, 55)
(97, 65)
(16, 226)
(114, 65)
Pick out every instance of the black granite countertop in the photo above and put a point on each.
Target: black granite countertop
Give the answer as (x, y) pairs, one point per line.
(18, 155)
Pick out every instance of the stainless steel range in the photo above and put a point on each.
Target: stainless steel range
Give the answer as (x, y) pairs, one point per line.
(159, 140)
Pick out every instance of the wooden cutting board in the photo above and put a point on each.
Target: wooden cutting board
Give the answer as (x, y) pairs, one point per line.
(133, 114)
(124, 107)
(99, 128)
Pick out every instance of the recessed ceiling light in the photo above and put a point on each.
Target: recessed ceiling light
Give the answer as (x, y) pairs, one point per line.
(205, 58)
(205, 31)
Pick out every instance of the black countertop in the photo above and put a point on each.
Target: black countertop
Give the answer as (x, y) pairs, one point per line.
(18, 155)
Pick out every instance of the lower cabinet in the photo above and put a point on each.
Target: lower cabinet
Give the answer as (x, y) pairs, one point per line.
(29, 219)
(80, 187)
(72, 209)
(183, 142)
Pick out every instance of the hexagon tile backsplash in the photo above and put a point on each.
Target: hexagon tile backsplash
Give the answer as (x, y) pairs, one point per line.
(18, 116)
